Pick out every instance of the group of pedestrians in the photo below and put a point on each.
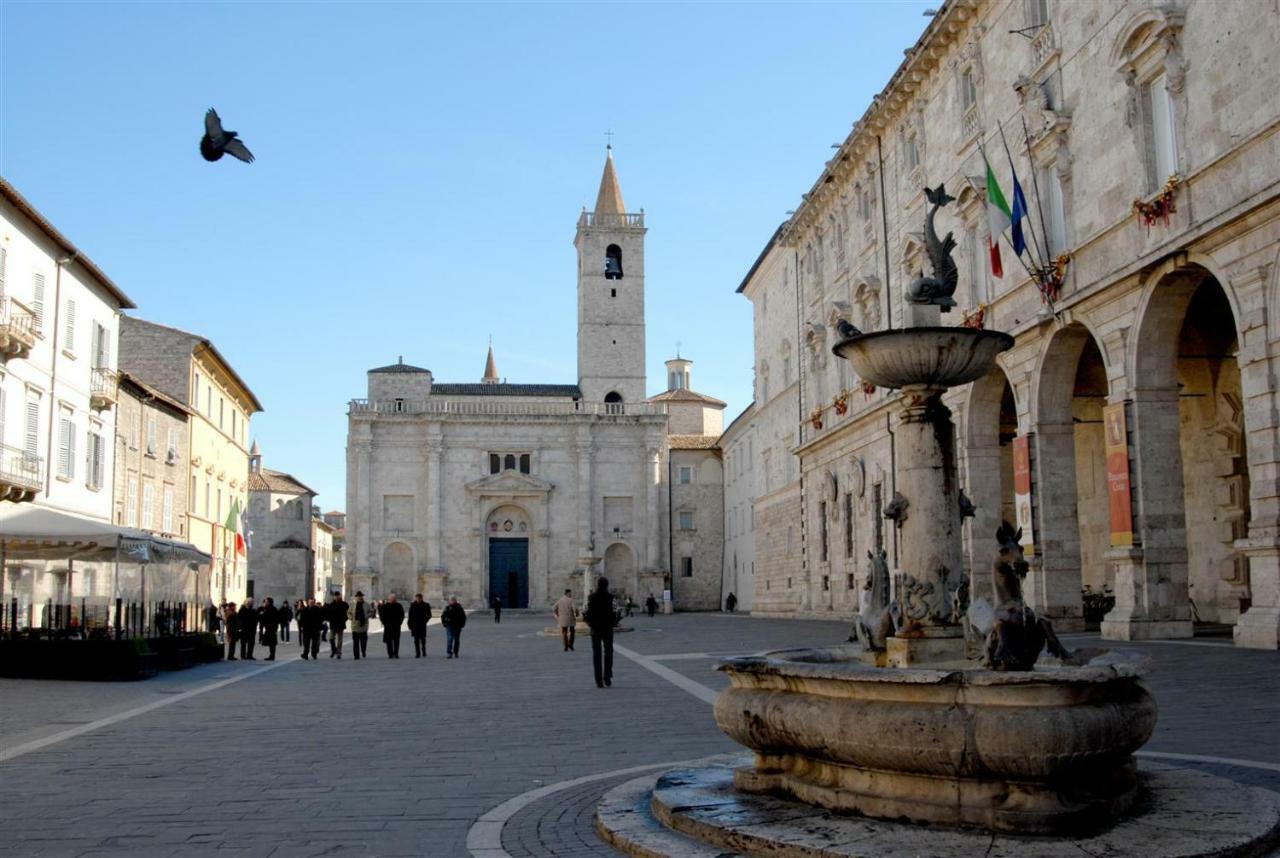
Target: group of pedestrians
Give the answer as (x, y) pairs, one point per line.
(246, 625)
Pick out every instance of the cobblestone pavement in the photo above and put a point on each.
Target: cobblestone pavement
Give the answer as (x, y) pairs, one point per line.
(402, 757)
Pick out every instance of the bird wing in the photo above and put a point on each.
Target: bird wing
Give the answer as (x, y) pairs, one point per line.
(237, 148)
(213, 126)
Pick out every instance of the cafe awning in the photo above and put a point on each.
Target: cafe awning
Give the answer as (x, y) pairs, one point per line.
(29, 532)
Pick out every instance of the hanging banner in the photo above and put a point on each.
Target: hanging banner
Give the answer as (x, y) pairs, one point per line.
(1022, 492)
(1119, 493)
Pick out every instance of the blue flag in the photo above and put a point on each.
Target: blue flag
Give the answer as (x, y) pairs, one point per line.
(1019, 212)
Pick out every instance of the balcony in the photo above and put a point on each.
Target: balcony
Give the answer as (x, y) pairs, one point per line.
(17, 329)
(610, 220)
(21, 474)
(969, 124)
(1043, 46)
(488, 408)
(104, 385)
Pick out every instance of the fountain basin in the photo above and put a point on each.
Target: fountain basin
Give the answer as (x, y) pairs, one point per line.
(1038, 752)
(933, 356)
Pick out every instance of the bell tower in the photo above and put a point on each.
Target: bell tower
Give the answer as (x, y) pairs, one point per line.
(610, 246)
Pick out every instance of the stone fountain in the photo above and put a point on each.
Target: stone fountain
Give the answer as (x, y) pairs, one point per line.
(918, 750)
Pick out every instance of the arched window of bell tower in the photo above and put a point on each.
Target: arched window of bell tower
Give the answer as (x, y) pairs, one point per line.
(613, 262)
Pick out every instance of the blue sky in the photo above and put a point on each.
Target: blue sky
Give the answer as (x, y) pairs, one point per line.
(420, 171)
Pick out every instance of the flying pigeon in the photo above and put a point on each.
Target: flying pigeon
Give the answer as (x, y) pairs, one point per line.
(215, 143)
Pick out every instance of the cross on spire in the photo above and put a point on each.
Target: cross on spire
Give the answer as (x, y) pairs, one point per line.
(609, 135)
(677, 348)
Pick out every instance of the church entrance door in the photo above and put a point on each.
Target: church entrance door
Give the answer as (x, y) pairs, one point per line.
(509, 571)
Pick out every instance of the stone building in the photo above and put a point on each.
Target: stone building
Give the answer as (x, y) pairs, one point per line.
(328, 575)
(762, 472)
(282, 558)
(497, 488)
(1138, 408)
(59, 316)
(337, 520)
(188, 368)
(151, 475)
(696, 478)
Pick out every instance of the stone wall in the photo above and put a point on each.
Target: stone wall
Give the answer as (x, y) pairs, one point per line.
(702, 501)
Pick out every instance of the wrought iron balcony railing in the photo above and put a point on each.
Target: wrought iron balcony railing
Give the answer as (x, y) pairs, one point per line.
(21, 474)
(104, 385)
(17, 329)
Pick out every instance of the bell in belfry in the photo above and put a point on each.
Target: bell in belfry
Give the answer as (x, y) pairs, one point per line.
(613, 263)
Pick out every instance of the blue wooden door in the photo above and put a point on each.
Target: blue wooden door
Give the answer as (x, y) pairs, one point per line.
(509, 571)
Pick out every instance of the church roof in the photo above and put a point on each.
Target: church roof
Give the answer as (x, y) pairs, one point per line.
(692, 442)
(268, 480)
(401, 366)
(685, 395)
(569, 391)
(609, 200)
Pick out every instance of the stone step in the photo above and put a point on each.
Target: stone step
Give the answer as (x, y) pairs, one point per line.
(625, 820)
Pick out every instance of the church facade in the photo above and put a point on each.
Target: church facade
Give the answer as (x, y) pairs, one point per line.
(487, 489)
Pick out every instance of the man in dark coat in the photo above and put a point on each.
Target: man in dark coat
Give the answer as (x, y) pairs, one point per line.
(651, 605)
(359, 615)
(419, 616)
(309, 620)
(600, 617)
(497, 608)
(453, 618)
(286, 617)
(248, 619)
(392, 615)
(336, 614)
(269, 621)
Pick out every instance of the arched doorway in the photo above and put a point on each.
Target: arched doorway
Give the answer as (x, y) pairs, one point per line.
(1186, 398)
(507, 528)
(620, 569)
(397, 570)
(1073, 531)
(991, 425)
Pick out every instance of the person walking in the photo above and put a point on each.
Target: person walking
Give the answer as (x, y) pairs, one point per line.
(496, 604)
(601, 618)
(231, 620)
(453, 618)
(566, 618)
(629, 605)
(336, 614)
(730, 602)
(298, 607)
(651, 605)
(286, 617)
(248, 629)
(211, 618)
(359, 614)
(310, 617)
(269, 622)
(392, 615)
(419, 616)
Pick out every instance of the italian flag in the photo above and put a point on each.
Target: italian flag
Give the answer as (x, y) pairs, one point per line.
(999, 218)
(233, 524)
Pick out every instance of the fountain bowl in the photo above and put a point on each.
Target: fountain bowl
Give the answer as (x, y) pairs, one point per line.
(1045, 751)
(933, 356)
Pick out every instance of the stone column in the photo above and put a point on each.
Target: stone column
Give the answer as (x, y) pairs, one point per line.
(363, 513)
(1053, 588)
(435, 504)
(1259, 626)
(931, 556)
(1152, 600)
(654, 511)
(982, 484)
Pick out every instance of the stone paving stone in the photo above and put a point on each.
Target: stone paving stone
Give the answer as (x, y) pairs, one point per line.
(383, 757)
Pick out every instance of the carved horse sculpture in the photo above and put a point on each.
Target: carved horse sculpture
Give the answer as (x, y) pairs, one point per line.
(1017, 636)
(877, 618)
(939, 288)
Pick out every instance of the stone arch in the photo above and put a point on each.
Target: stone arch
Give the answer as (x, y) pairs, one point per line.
(990, 423)
(1187, 400)
(620, 569)
(1138, 34)
(1072, 522)
(504, 513)
(1272, 303)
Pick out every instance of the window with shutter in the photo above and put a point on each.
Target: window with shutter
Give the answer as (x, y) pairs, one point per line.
(131, 502)
(99, 460)
(70, 328)
(37, 301)
(148, 506)
(31, 441)
(151, 436)
(166, 510)
(66, 442)
(101, 347)
(172, 449)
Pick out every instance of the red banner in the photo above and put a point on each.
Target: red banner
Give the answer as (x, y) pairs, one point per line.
(1022, 491)
(1119, 492)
